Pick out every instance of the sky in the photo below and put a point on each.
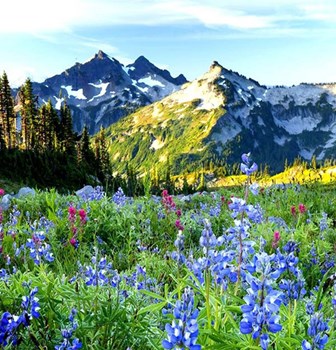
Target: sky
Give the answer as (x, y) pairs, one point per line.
(276, 42)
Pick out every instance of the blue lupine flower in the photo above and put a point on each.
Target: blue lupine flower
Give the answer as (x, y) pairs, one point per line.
(317, 332)
(67, 334)
(99, 273)
(179, 244)
(10, 324)
(119, 198)
(254, 188)
(245, 166)
(183, 332)
(208, 239)
(260, 313)
(95, 194)
(324, 222)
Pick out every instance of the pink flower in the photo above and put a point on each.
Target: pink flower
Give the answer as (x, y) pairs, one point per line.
(178, 212)
(82, 215)
(164, 193)
(2, 191)
(73, 241)
(276, 239)
(302, 208)
(178, 225)
(72, 213)
(72, 210)
(276, 236)
(293, 210)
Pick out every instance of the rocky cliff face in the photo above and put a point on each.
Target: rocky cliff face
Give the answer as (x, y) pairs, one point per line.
(103, 90)
(223, 114)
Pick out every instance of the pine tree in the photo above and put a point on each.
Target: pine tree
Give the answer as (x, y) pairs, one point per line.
(66, 134)
(29, 111)
(7, 115)
(86, 154)
(101, 155)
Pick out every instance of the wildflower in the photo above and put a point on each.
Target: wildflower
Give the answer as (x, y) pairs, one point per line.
(323, 222)
(179, 244)
(245, 166)
(207, 239)
(82, 216)
(38, 248)
(254, 188)
(10, 324)
(317, 332)
(2, 191)
(73, 242)
(72, 214)
(183, 332)
(260, 313)
(293, 210)
(67, 334)
(302, 208)
(178, 225)
(276, 239)
(168, 201)
(119, 198)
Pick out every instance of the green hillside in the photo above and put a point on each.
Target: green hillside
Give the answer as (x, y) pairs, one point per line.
(159, 135)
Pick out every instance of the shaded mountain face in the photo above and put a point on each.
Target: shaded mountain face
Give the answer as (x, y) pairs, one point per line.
(223, 114)
(102, 90)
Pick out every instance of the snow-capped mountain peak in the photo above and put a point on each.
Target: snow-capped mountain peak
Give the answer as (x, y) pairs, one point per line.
(102, 90)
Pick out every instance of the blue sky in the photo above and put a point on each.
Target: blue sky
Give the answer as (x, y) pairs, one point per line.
(277, 42)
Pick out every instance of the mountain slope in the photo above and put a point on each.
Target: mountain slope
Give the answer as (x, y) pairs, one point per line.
(103, 90)
(223, 114)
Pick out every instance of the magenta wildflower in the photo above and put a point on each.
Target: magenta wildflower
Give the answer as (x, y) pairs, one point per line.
(276, 239)
(302, 208)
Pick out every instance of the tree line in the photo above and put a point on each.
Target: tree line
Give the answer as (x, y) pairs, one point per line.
(38, 145)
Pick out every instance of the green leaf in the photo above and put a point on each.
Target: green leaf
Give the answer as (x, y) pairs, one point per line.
(153, 295)
(152, 307)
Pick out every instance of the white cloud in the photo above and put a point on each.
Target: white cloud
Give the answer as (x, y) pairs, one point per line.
(40, 16)
(17, 74)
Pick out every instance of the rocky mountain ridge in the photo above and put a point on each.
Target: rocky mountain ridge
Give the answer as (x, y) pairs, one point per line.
(103, 90)
(223, 114)
(215, 118)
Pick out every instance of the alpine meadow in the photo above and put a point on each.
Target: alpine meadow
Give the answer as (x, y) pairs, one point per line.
(144, 211)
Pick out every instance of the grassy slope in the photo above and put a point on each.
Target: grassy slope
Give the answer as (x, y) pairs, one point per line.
(295, 175)
(179, 131)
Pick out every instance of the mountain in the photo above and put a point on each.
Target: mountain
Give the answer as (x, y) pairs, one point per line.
(102, 90)
(223, 114)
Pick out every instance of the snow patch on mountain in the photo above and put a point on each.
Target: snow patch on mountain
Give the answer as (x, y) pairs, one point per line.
(75, 93)
(281, 140)
(102, 86)
(202, 89)
(300, 94)
(297, 124)
(306, 153)
(150, 81)
(156, 144)
(59, 102)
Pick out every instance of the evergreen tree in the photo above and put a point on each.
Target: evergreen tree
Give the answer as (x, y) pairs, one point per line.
(29, 111)
(101, 155)
(66, 135)
(86, 154)
(48, 127)
(313, 162)
(7, 114)
(2, 140)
